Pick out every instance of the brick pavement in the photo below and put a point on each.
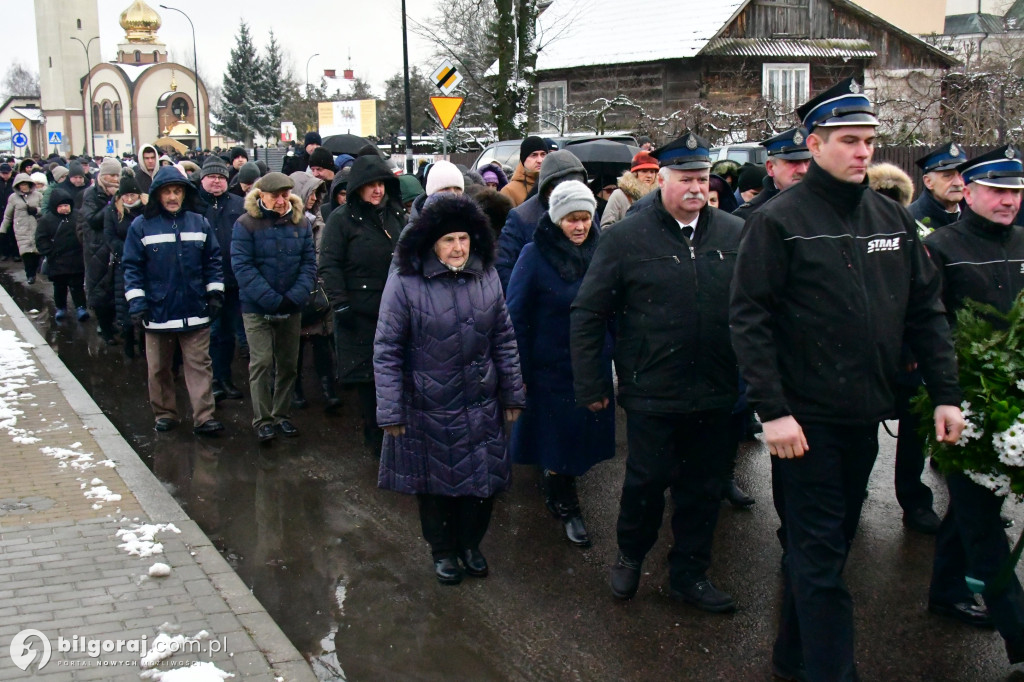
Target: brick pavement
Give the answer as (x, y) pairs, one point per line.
(68, 484)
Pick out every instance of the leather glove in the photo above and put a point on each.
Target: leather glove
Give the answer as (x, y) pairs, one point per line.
(140, 318)
(287, 306)
(214, 303)
(32, 210)
(344, 315)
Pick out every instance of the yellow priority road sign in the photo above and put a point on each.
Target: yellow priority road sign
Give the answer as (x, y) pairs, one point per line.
(446, 77)
(446, 108)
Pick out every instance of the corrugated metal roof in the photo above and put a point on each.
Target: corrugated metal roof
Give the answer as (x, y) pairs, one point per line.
(595, 32)
(959, 24)
(790, 47)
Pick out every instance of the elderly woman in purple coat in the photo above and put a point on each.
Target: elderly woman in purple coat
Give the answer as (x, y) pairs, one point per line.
(448, 380)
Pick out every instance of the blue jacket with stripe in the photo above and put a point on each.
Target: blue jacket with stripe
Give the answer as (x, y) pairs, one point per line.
(172, 262)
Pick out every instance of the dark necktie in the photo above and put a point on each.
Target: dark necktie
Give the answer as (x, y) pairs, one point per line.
(688, 231)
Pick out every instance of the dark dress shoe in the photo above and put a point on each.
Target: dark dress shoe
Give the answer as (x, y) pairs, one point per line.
(705, 596)
(475, 563)
(208, 428)
(447, 570)
(788, 673)
(922, 520)
(231, 392)
(286, 428)
(265, 432)
(624, 577)
(164, 424)
(219, 393)
(966, 612)
(575, 531)
(735, 495)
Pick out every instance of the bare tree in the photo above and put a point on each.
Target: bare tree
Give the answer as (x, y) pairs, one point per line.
(20, 81)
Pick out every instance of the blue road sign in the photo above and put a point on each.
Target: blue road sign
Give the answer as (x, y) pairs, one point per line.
(110, 146)
(54, 138)
(20, 140)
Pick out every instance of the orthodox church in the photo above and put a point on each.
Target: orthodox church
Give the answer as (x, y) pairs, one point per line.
(109, 108)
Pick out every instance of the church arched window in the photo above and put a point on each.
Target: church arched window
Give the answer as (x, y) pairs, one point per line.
(107, 122)
(79, 23)
(118, 126)
(138, 56)
(180, 107)
(95, 116)
(156, 57)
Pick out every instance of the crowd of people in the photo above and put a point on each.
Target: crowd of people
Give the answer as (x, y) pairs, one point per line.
(486, 317)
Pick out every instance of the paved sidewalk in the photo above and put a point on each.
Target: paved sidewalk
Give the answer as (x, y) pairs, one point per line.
(74, 500)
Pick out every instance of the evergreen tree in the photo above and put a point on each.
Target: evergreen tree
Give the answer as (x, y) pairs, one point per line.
(242, 113)
(391, 118)
(275, 88)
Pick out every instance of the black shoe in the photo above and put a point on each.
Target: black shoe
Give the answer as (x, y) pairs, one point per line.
(922, 520)
(575, 531)
(31, 280)
(475, 563)
(164, 424)
(705, 596)
(447, 570)
(784, 672)
(286, 428)
(331, 400)
(624, 577)
(219, 393)
(299, 401)
(735, 495)
(966, 612)
(265, 433)
(208, 428)
(231, 391)
(1007, 521)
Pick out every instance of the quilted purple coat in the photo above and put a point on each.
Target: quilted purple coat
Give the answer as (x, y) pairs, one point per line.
(445, 362)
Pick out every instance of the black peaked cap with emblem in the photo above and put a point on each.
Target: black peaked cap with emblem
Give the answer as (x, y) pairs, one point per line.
(687, 152)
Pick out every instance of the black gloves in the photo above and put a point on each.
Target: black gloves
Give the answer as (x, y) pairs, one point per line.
(214, 303)
(32, 210)
(287, 306)
(140, 318)
(344, 315)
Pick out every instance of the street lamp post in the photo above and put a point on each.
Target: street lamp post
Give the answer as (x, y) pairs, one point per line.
(408, 101)
(195, 74)
(307, 72)
(88, 90)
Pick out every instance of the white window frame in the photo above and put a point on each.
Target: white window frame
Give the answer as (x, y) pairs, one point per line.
(545, 122)
(800, 93)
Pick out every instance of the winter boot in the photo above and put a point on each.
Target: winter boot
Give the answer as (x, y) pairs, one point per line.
(299, 401)
(60, 314)
(82, 313)
(567, 507)
(331, 400)
(547, 488)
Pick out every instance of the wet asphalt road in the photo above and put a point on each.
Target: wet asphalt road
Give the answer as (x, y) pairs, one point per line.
(341, 566)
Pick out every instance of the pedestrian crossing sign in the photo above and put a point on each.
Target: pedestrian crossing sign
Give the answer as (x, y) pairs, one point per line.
(54, 138)
(446, 77)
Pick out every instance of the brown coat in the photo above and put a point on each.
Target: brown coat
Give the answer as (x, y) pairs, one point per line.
(520, 185)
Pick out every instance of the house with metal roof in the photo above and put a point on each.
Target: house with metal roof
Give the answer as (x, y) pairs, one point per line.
(666, 56)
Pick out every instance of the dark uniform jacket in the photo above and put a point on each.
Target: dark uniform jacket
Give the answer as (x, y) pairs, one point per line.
(768, 191)
(222, 212)
(830, 279)
(931, 213)
(670, 302)
(979, 260)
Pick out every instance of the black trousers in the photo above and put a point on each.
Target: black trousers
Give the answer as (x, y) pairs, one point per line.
(451, 524)
(105, 315)
(911, 493)
(687, 454)
(62, 284)
(823, 493)
(30, 261)
(972, 543)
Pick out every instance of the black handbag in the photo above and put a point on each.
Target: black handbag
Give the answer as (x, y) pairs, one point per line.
(317, 305)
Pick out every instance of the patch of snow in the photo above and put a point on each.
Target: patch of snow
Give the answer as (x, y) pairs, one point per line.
(102, 492)
(164, 646)
(139, 541)
(201, 671)
(159, 570)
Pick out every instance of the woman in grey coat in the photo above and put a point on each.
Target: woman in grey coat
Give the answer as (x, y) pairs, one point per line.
(24, 207)
(448, 380)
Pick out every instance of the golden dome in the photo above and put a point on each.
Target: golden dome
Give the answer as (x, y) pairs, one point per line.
(140, 23)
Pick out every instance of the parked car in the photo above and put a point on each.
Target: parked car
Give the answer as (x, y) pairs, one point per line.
(745, 152)
(506, 152)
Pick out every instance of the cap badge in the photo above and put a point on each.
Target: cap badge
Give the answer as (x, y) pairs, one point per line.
(1009, 152)
(798, 138)
(854, 88)
(691, 142)
(954, 150)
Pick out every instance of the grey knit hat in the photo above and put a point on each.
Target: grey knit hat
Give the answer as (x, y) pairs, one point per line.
(249, 173)
(110, 167)
(570, 196)
(214, 165)
(559, 165)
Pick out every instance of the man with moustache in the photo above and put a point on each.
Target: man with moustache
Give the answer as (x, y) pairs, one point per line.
(830, 279)
(662, 275)
(787, 164)
(939, 203)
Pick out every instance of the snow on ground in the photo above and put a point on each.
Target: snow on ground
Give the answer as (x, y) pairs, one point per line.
(159, 570)
(197, 672)
(139, 541)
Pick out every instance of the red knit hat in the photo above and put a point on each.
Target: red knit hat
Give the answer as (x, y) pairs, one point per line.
(644, 161)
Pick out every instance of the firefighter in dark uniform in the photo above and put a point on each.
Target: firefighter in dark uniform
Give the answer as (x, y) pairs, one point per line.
(980, 258)
(938, 206)
(787, 163)
(940, 201)
(830, 277)
(663, 276)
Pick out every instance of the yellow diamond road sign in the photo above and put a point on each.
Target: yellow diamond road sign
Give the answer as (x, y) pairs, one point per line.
(446, 108)
(446, 77)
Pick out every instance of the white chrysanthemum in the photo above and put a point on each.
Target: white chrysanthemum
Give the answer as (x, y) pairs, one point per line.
(1020, 384)
(1000, 484)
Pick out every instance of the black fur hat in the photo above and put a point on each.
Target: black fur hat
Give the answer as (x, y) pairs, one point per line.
(441, 215)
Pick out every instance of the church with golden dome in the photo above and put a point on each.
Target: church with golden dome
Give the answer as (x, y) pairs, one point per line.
(110, 108)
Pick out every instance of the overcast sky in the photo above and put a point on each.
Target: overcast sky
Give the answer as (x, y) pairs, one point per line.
(371, 30)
